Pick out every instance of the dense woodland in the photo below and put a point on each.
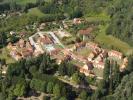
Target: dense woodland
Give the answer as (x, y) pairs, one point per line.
(121, 24)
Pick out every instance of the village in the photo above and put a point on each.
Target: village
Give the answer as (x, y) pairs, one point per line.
(50, 42)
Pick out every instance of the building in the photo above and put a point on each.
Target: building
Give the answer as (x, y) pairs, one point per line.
(44, 40)
(115, 54)
(99, 65)
(86, 33)
(91, 56)
(12, 33)
(92, 45)
(26, 53)
(77, 21)
(21, 43)
(80, 45)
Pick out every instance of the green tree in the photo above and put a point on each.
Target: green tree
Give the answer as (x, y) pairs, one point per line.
(76, 78)
(106, 71)
(83, 95)
(63, 98)
(62, 68)
(20, 89)
(56, 90)
(130, 64)
(50, 86)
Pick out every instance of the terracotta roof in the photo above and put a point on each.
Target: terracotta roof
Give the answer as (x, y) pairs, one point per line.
(55, 52)
(86, 31)
(116, 52)
(45, 40)
(26, 53)
(81, 44)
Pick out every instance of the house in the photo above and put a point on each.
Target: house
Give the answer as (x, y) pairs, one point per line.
(28, 45)
(12, 33)
(124, 64)
(9, 46)
(99, 59)
(77, 21)
(99, 65)
(61, 33)
(91, 56)
(21, 43)
(55, 52)
(22, 34)
(42, 26)
(86, 69)
(104, 54)
(115, 54)
(26, 53)
(92, 45)
(80, 45)
(17, 56)
(85, 33)
(44, 40)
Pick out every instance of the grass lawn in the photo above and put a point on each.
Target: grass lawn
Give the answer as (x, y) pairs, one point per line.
(98, 72)
(23, 2)
(35, 12)
(84, 52)
(5, 55)
(108, 41)
(75, 62)
(99, 17)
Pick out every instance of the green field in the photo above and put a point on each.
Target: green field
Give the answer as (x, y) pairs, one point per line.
(98, 72)
(21, 2)
(35, 12)
(5, 55)
(108, 41)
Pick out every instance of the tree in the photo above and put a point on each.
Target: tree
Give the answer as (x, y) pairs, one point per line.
(50, 86)
(116, 76)
(20, 89)
(56, 90)
(76, 78)
(130, 64)
(62, 68)
(63, 98)
(83, 95)
(71, 69)
(106, 71)
(125, 89)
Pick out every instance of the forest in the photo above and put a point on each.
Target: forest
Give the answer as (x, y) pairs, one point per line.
(121, 24)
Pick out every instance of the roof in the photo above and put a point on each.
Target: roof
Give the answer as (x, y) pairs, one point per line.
(116, 52)
(21, 42)
(78, 45)
(55, 52)
(86, 31)
(45, 40)
(26, 53)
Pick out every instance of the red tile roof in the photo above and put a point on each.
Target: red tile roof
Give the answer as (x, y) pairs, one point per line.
(86, 31)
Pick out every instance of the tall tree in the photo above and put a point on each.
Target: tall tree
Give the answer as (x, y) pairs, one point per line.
(56, 90)
(106, 72)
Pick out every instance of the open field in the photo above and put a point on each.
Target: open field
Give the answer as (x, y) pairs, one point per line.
(109, 41)
(21, 2)
(99, 17)
(83, 51)
(5, 55)
(35, 12)
(98, 72)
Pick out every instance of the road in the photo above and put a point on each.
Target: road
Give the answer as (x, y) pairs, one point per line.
(77, 86)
